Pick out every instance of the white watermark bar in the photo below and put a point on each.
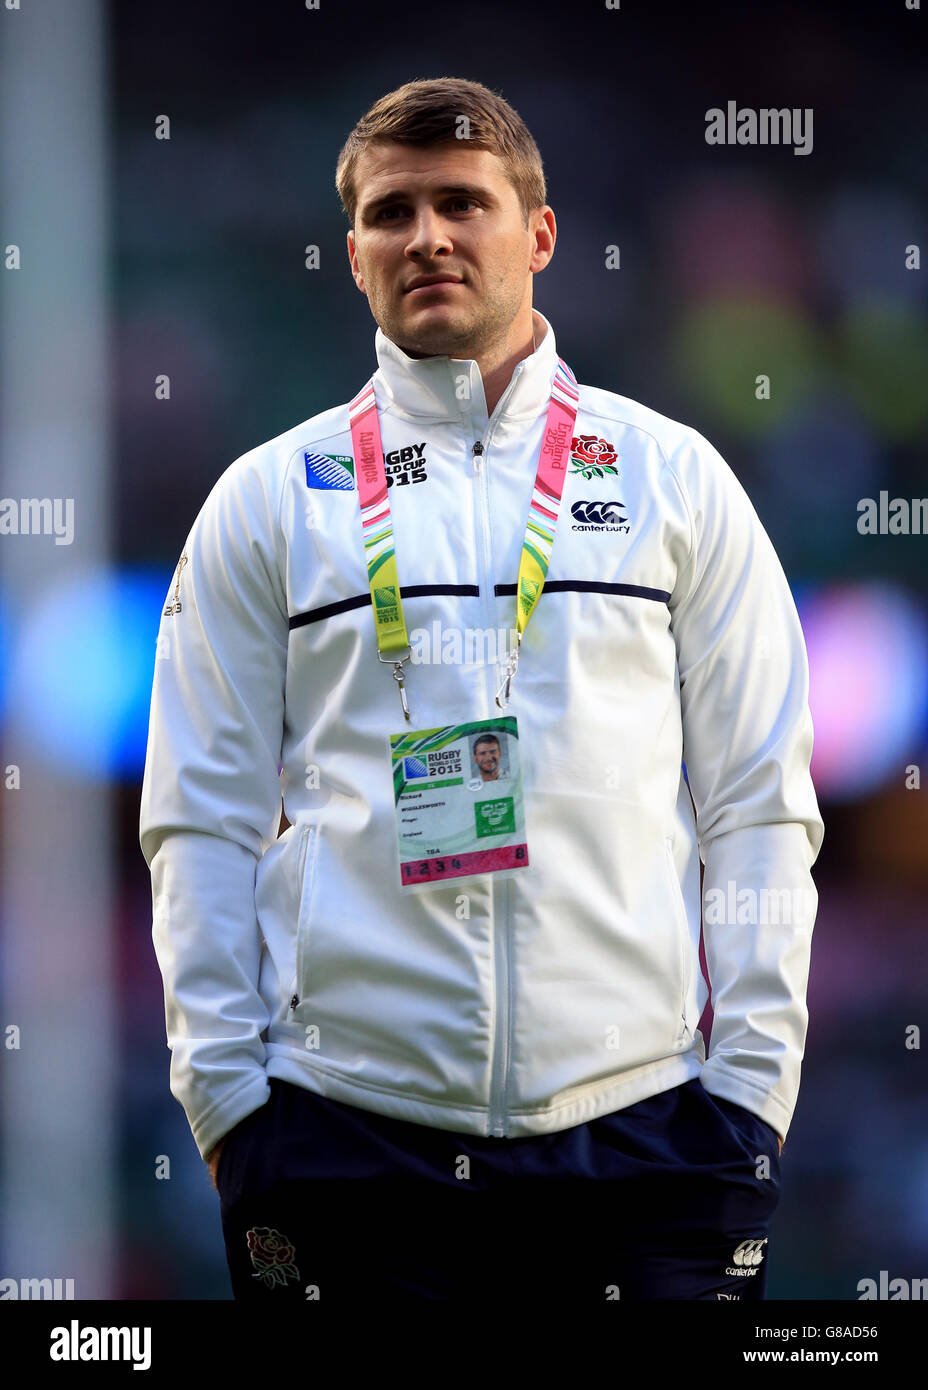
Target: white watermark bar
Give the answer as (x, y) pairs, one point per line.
(460, 646)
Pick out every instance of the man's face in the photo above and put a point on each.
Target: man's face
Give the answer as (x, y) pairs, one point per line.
(443, 210)
(486, 756)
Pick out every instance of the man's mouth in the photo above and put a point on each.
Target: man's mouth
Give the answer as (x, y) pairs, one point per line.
(422, 283)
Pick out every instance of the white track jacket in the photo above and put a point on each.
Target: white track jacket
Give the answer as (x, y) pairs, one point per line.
(665, 634)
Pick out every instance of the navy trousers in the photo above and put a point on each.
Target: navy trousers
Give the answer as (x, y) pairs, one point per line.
(668, 1198)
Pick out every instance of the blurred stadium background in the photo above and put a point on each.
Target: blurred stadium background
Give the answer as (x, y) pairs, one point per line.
(186, 257)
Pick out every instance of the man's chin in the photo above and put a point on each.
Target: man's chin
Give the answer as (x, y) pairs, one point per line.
(437, 339)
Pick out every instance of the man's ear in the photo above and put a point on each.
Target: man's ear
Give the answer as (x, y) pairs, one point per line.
(544, 230)
(353, 262)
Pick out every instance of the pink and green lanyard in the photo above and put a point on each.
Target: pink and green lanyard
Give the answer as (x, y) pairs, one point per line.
(377, 522)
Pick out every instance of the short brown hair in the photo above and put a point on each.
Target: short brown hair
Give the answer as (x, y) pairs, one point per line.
(427, 112)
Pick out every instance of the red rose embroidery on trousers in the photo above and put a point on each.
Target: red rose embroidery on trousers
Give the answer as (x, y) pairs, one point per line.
(272, 1255)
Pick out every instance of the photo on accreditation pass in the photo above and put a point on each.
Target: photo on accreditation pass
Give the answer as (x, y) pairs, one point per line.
(489, 755)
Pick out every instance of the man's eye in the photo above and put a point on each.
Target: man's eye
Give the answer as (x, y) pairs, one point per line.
(455, 204)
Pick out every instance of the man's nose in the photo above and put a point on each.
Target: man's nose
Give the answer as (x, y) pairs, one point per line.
(428, 234)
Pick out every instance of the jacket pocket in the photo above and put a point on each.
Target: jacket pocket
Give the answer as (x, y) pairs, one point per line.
(306, 875)
(683, 934)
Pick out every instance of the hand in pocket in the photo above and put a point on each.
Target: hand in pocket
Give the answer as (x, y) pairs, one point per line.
(212, 1160)
(746, 1122)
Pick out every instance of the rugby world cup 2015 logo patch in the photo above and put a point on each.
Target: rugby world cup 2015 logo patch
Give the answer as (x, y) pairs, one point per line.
(329, 472)
(386, 605)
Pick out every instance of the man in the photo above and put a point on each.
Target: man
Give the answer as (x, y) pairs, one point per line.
(370, 1065)
(486, 756)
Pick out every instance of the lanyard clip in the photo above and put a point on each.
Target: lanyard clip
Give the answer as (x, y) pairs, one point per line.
(512, 661)
(399, 676)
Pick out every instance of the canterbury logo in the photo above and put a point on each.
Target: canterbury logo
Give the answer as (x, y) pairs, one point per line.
(749, 1253)
(598, 513)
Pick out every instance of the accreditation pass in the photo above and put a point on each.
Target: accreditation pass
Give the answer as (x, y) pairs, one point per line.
(458, 792)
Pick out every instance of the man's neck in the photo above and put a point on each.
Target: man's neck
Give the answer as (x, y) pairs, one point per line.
(496, 369)
(497, 365)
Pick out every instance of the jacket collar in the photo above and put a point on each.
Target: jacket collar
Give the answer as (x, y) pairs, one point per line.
(430, 387)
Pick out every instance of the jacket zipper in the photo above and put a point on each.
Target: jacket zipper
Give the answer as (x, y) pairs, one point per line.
(479, 456)
(502, 934)
(502, 922)
(502, 946)
(683, 933)
(301, 868)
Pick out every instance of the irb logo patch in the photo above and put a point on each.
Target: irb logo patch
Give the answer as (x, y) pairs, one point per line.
(329, 472)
